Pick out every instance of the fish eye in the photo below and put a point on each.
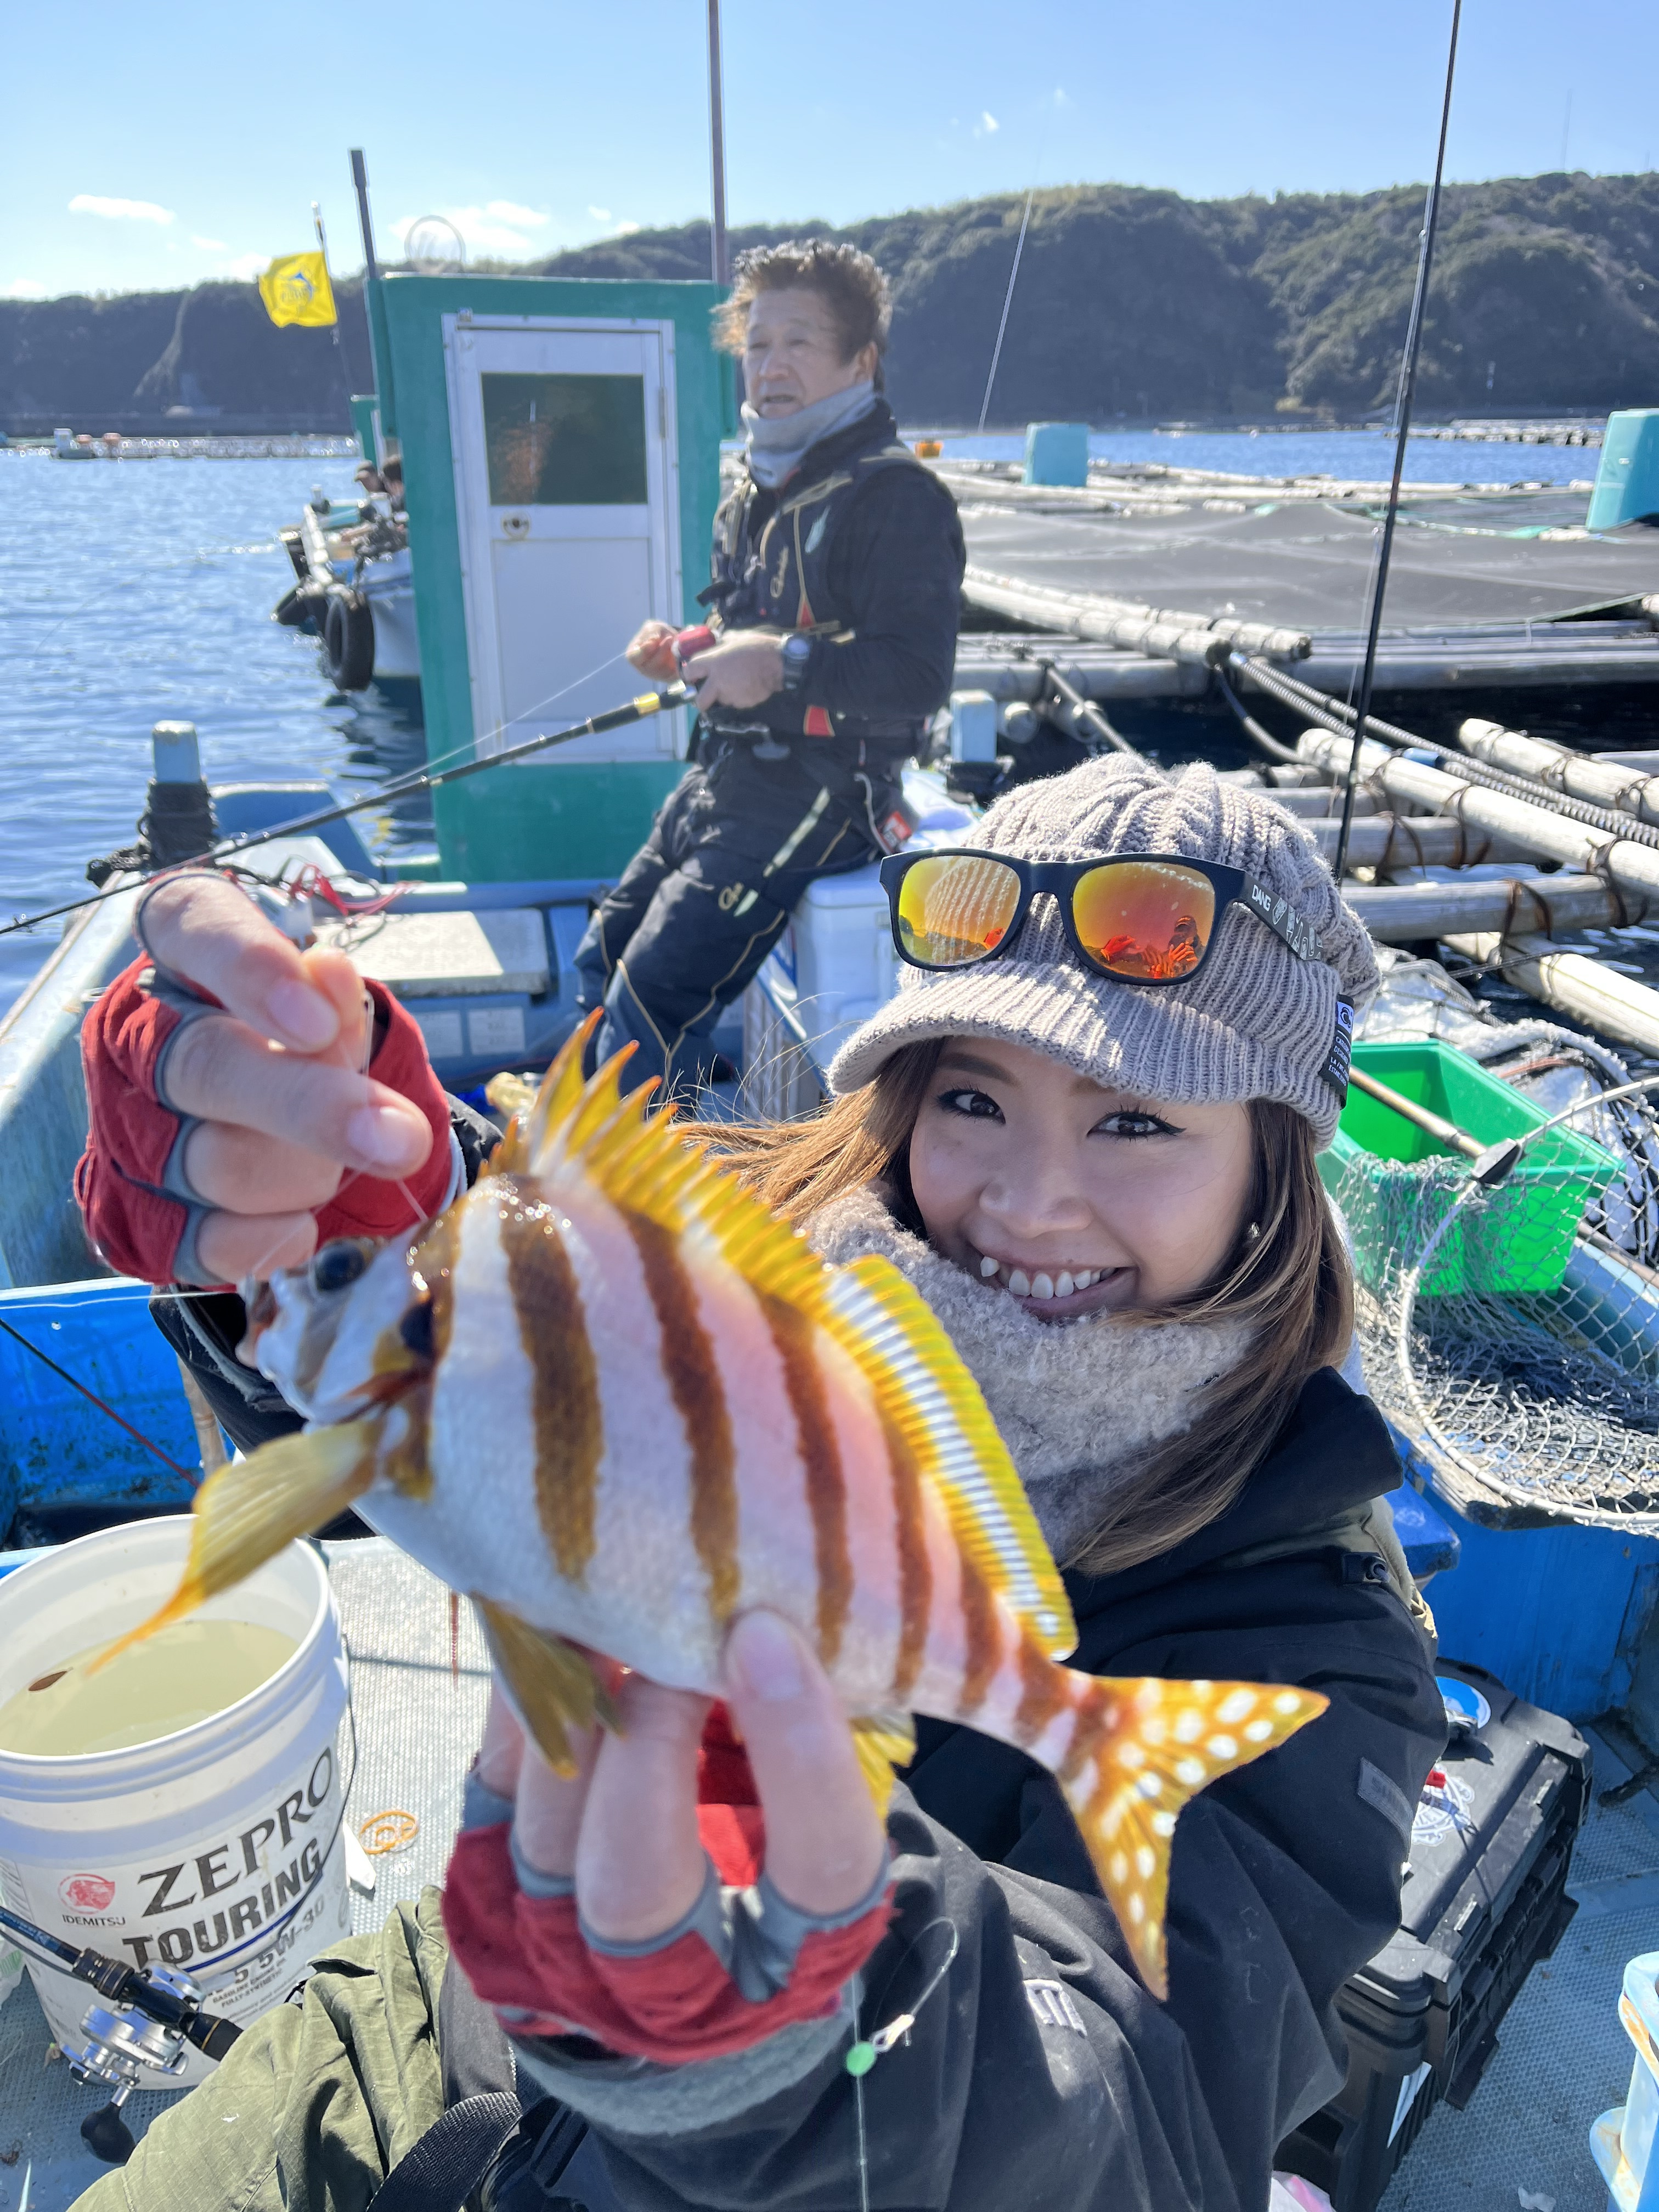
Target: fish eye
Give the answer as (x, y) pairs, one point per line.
(338, 1266)
(416, 1329)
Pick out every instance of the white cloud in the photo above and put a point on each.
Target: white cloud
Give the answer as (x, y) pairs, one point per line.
(24, 288)
(498, 227)
(209, 245)
(1062, 98)
(601, 215)
(246, 266)
(120, 210)
(986, 124)
(626, 230)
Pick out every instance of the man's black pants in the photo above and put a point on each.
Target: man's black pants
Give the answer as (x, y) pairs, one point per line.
(708, 894)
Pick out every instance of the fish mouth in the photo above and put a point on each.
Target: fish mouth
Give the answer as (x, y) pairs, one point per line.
(1053, 1293)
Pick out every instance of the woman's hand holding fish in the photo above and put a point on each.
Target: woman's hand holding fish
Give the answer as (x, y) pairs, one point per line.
(285, 1111)
(626, 1826)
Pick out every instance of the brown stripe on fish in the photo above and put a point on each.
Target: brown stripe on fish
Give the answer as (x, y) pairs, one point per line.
(1045, 1690)
(820, 1456)
(564, 1378)
(693, 1374)
(981, 1633)
(915, 1570)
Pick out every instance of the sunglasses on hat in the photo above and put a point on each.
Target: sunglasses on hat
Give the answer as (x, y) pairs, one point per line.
(1137, 917)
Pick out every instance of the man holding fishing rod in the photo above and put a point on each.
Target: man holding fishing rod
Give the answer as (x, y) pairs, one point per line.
(835, 595)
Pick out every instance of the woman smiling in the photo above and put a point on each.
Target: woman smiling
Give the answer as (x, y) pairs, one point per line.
(1085, 1129)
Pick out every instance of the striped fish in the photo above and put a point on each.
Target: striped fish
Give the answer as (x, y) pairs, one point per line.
(613, 1398)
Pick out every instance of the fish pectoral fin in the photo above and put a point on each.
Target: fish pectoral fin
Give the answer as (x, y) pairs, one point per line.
(249, 1510)
(555, 1687)
(883, 1742)
(1142, 1750)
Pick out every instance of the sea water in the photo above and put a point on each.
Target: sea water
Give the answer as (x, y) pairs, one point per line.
(183, 1674)
(135, 592)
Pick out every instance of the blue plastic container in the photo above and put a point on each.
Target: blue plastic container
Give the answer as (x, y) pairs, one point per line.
(1621, 2141)
(1057, 453)
(57, 1449)
(1627, 481)
(1557, 1612)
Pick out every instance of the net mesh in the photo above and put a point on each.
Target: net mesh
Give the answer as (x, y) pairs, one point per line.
(1512, 1333)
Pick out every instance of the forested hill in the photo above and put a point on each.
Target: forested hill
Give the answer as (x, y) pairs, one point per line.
(1129, 302)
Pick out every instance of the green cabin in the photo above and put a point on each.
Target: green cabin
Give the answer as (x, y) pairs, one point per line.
(560, 440)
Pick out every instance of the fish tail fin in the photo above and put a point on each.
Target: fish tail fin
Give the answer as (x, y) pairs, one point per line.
(883, 1742)
(554, 1685)
(1140, 1751)
(249, 1510)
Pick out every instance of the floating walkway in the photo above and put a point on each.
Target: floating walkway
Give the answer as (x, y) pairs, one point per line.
(1490, 587)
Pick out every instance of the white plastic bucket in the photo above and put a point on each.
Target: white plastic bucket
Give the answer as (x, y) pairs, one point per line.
(217, 1849)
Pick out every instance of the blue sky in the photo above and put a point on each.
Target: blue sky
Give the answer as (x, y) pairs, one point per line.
(189, 141)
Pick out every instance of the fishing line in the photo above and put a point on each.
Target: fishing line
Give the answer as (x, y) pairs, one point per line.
(678, 694)
(862, 2056)
(1405, 394)
(102, 1404)
(1007, 303)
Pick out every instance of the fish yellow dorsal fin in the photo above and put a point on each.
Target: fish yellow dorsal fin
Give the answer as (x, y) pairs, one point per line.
(647, 1164)
(923, 1388)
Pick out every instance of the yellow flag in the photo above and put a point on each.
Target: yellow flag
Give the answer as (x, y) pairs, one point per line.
(295, 290)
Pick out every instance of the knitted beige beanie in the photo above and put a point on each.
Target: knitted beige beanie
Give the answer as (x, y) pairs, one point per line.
(1256, 1022)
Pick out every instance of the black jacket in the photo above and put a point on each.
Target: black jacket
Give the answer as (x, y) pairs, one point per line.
(862, 538)
(1039, 2072)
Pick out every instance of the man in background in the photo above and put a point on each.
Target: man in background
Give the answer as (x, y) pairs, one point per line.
(834, 598)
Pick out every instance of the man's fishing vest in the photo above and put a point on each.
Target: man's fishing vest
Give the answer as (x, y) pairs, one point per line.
(773, 573)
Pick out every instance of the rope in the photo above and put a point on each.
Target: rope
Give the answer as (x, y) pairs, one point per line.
(1341, 719)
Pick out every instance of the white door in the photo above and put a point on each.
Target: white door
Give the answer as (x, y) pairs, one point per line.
(567, 486)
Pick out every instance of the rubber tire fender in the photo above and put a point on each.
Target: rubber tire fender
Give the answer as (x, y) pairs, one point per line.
(348, 640)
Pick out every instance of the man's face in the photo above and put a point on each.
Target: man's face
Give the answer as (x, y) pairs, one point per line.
(792, 352)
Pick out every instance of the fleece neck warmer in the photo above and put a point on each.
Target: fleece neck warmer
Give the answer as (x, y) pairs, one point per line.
(779, 443)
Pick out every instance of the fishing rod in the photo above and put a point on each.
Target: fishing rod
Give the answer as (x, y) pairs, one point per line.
(678, 694)
(1407, 393)
(120, 2048)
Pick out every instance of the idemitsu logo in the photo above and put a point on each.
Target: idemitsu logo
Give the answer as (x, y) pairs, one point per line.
(87, 1893)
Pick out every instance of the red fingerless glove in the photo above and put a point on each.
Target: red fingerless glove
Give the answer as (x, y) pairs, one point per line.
(132, 1222)
(527, 1956)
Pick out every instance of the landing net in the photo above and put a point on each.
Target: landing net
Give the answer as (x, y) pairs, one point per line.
(1512, 1333)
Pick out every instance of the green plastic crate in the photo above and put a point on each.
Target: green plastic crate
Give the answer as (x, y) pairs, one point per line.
(1515, 1242)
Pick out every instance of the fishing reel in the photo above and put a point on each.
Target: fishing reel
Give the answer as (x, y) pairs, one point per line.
(152, 2020)
(121, 2049)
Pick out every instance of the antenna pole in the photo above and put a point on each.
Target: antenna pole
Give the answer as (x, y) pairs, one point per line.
(360, 178)
(720, 268)
(379, 353)
(339, 349)
(1405, 394)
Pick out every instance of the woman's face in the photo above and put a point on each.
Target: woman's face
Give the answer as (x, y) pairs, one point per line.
(1031, 1176)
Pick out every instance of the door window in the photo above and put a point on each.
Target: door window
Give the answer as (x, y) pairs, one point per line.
(565, 441)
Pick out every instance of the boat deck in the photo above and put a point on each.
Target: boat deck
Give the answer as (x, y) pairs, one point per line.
(1562, 2056)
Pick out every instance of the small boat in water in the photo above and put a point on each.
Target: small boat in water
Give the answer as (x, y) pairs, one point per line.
(354, 590)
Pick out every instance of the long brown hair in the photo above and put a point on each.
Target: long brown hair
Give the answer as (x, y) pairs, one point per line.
(1287, 1278)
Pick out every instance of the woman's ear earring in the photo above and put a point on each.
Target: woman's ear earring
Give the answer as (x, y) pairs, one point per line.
(1253, 1233)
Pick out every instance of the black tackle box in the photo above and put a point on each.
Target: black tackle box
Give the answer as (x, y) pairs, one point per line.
(1484, 1899)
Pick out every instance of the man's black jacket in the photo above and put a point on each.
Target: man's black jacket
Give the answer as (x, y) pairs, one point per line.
(1090, 2096)
(875, 551)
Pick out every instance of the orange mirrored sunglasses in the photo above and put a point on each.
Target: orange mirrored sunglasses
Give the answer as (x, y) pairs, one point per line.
(1138, 917)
